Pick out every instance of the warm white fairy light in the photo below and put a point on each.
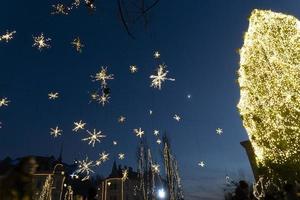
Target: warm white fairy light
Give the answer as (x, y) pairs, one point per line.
(60, 9)
(40, 42)
(85, 168)
(121, 156)
(78, 126)
(55, 132)
(124, 174)
(133, 69)
(219, 131)
(53, 95)
(155, 168)
(156, 55)
(7, 36)
(201, 164)
(4, 102)
(177, 117)
(103, 77)
(122, 119)
(139, 132)
(77, 44)
(94, 137)
(160, 77)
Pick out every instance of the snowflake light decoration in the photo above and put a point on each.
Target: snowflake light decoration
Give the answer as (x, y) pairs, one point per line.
(53, 95)
(177, 117)
(40, 42)
(55, 132)
(103, 157)
(4, 102)
(156, 132)
(103, 99)
(94, 137)
(77, 44)
(121, 156)
(156, 55)
(219, 131)
(7, 36)
(133, 69)
(121, 119)
(160, 77)
(103, 77)
(139, 132)
(60, 9)
(78, 126)
(155, 168)
(85, 167)
(201, 164)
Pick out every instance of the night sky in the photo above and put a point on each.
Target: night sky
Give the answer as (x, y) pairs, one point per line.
(198, 41)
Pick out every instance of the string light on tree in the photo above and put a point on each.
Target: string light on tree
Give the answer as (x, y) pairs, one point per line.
(160, 77)
(55, 132)
(94, 137)
(40, 42)
(78, 126)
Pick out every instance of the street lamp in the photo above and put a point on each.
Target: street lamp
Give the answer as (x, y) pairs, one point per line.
(161, 193)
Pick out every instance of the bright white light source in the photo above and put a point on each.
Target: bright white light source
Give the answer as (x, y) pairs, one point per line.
(161, 193)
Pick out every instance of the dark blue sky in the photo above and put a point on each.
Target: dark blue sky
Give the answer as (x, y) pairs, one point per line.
(198, 41)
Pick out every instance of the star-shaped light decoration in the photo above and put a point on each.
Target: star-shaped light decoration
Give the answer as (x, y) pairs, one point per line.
(121, 119)
(60, 9)
(7, 36)
(121, 156)
(201, 164)
(160, 77)
(77, 44)
(103, 99)
(133, 69)
(4, 102)
(156, 132)
(102, 158)
(124, 174)
(139, 132)
(40, 42)
(115, 143)
(156, 55)
(53, 95)
(155, 168)
(103, 77)
(55, 132)
(158, 141)
(78, 126)
(177, 117)
(94, 137)
(219, 131)
(85, 167)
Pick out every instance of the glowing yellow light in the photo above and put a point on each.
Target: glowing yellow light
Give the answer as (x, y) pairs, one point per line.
(103, 77)
(60, 9)
(94, 137)
(155, 168)
(77, 44)
(55, 132)
(269, 79)
(102, 158)
(125, 175)
(85, 167)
